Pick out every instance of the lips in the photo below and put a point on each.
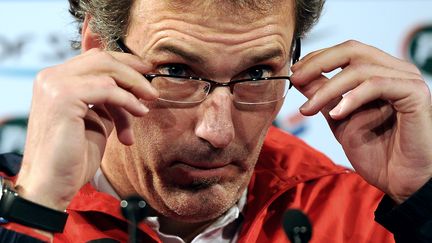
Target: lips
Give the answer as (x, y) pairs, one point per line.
(193, 174)
(203, 165)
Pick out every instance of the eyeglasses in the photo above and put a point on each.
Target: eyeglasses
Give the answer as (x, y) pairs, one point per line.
(192, 90)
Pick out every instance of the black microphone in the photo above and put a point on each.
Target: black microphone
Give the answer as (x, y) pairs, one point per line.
(134, 210)
(297, 226)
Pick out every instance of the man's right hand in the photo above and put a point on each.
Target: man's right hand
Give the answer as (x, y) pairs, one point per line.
(66, 139)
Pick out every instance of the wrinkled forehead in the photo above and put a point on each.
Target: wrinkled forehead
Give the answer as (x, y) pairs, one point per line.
(242, 9)
(239, 11)
(210, 29)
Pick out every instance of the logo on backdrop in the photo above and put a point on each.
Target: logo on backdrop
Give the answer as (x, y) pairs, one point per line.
(27, 53)
(418, 48)
(294, 123)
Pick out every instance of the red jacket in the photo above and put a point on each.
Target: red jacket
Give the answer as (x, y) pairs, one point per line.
(289, 174)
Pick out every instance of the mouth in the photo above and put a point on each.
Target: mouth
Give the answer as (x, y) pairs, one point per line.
(195, 175)
(203, 165)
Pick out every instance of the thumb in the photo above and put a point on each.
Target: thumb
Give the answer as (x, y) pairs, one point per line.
(98, 126)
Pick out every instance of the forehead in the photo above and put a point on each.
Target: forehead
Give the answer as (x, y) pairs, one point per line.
(217, 11)
(221, 33)
(241, 10)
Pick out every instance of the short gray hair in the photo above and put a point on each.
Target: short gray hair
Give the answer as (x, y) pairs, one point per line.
(110, 18)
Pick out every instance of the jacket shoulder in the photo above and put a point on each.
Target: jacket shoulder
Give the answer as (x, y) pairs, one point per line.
(293, 157)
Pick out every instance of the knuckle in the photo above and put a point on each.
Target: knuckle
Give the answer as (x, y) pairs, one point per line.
(414, 69)
(378, 81)
(44, 81)
(421, 90)
(105, 61)
(94, 50)
(352, 43)
(107, 84)
(355, 47)
(352, 96)
(359, 67)
(44, 74)
(51, 85)
(421, 86)
(104, 56)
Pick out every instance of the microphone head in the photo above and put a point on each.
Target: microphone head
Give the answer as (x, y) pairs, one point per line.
(134, 208)
(297, 226)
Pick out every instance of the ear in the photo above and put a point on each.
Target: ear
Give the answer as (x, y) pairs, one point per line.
(89, 38)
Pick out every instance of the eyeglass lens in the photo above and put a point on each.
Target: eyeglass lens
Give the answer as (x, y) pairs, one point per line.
(182, 90)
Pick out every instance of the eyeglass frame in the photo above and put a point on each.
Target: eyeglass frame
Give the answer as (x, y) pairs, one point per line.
(214, 84)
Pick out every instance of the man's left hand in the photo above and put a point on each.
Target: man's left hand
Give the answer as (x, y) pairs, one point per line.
(379, 109)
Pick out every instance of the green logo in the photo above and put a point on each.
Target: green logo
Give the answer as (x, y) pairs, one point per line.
(420, 48)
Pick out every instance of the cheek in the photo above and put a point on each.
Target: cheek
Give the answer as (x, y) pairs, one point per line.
(155, 136)
(160, 128)
(252, 126)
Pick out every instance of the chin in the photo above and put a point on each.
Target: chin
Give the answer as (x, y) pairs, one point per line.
(200, 204)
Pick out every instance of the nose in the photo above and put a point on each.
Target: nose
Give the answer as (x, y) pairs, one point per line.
(215, 123)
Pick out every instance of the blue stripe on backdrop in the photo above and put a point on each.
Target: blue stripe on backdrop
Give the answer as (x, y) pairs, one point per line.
(19, 72)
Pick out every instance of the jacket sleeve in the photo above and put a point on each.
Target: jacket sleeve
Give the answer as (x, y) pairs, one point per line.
(14, 232)
(410, 221)
(15, 237)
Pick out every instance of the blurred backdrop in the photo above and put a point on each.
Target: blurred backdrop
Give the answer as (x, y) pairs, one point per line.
(37, 33)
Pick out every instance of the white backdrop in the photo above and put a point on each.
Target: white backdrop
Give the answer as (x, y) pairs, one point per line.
(35, 34)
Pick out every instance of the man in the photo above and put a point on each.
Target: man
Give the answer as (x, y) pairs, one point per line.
(203, 154)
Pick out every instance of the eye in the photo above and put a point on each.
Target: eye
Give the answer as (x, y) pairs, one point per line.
(259, 72)
(174, 69)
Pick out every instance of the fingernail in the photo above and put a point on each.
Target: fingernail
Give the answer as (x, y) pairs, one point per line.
(305, 106)
(155, 92)
(295, 75)
(295, 67)
(337, 111)
(144, 108)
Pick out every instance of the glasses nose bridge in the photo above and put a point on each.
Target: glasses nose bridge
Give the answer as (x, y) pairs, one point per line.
(216, 84)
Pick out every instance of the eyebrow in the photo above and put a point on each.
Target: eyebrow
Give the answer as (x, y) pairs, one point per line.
(251, 59)
(178, 51)
(268, 54)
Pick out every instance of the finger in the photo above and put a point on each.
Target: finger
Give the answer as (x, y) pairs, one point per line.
(99, 116)
(345, 54)
(310, 89)
(298, 64)
(125, 69)
(136, 62)
(406, 96)
(98, 126)
(139, 64)
(347, 80)
(104, 90)
(122, 122)
(120, 68)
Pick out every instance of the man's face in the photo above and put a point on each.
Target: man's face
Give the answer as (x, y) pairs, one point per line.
(192, 163)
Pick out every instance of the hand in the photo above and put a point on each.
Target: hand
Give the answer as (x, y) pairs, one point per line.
(66, 139)
(379, 109)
